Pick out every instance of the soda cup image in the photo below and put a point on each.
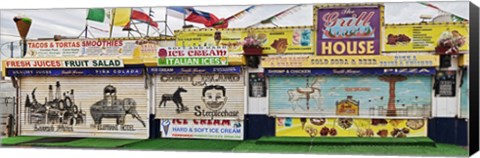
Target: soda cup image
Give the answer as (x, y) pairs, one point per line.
(288, 122)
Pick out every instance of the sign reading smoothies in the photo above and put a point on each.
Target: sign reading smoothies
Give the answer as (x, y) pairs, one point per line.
(192, 56)
(202, 129)
(352, 30)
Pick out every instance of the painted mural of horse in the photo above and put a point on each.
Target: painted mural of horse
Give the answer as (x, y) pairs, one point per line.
(311, 92)
(175, 97)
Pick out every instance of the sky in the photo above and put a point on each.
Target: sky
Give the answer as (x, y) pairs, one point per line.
(71, 22)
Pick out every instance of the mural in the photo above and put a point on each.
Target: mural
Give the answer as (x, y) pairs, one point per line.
(90, 107)
(200, 96)
(387, 95)
(348, 127)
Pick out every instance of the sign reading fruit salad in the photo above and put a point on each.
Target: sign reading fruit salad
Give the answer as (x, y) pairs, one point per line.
(349, 30)
(192, 56)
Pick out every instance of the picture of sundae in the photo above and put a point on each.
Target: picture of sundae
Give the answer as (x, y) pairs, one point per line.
(450, 42)
(296, 37)
(302, 37)
(280, 45)
(217, 37)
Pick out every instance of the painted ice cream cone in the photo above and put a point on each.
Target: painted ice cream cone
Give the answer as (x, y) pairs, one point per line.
(23, 25)
(166, 125)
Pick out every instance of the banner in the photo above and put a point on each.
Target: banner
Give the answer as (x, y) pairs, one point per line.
(348, 30)
(353, 71)
(102, 107)
(192, 56)
(346, 95)
(441, 38)
(272, 40)
(350, 61)
(200, 96)
(195, 70)
(76, 72)
(350, 127)
(202, 129)
(64, 63)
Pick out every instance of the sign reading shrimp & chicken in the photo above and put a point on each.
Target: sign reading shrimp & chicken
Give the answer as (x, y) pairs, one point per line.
(199, 93)
(348, 30)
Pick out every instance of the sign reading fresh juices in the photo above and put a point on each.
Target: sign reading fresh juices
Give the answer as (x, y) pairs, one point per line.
(350, 30)
(192, 56)
(65, 63)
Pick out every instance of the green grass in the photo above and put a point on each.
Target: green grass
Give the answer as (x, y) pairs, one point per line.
(439, 150)
(19, 139)
(185, 144)
(89, 143)
(423, 141)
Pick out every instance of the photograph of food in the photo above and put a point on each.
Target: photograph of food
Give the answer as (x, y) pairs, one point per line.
(383, 133)
(280, 45)
(400, 39)
(415, 124)
(379, 122)
(395, 122)
(318, 121)
(311, 131)
(400, 133)
(450, 42)
(324, 131)
(345, 123)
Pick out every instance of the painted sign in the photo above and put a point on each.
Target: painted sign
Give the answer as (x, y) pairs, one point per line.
(272, 40)
(64, 63)
(350, 127)
(200, 96)
(192, 56)
(350, 61)
(349, 30)
(202, 129)
(352, 71)
(113, 107)
(257, 85)
(442, 38)
(349, 106)
(92, 47)
(75, 72)
(375, 95)
(445, 83)
(195, 70)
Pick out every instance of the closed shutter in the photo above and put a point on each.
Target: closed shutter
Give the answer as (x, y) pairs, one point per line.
(75, 119)
(188, 89)
(297, 96)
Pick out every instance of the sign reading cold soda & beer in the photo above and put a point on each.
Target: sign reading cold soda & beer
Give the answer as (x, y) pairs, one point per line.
(192, 56)
(353, 30)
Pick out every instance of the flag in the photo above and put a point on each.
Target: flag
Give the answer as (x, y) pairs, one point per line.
(121, 16)
(140, 15)
(197, 16)
(96, 14)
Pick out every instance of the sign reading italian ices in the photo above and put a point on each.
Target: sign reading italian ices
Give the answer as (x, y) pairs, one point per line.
(418, 37)
(72, 48)
(202, 129)
(192, 56)
(272, 40)
(348, 127)
(348, 30)
(200, 96)
(64, 63)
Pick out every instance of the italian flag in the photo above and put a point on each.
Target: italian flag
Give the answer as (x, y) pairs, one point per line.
(121, 16)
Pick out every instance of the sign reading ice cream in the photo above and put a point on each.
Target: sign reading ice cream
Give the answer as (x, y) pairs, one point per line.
(348, 30)
(192, 56)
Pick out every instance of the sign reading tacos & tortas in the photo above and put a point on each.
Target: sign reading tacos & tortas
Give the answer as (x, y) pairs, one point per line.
(192, 56)
(348, 30)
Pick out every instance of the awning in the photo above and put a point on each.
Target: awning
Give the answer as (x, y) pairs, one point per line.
(76, 72)
(370, 71)
(194, 70)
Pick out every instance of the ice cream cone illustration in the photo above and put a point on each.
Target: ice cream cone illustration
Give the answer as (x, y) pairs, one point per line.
(23, 25)
(166, 125)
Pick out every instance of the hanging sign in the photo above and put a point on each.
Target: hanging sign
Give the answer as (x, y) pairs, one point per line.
(350, 61)
(64, 63)
(349, 30)
(192, 56)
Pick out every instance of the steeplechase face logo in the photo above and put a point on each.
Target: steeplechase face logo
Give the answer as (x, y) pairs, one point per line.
(166, 125)
(162, 53)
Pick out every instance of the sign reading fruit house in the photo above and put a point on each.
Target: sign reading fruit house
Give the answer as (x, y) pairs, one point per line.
(353, 30)
(192, 56)
(65, 63)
